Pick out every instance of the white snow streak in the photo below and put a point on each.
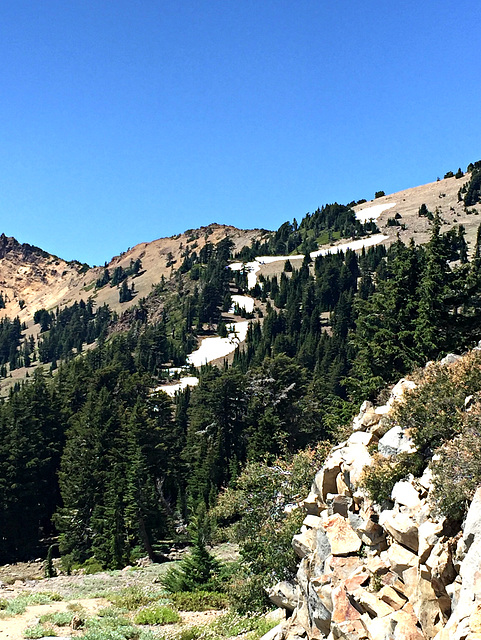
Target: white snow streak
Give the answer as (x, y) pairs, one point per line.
(171, 389)
(373, 212)
(252, 268)
(243, 302)
(212, 348)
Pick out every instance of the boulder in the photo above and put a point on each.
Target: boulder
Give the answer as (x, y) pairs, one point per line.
(325, 479)
(410, 581)
(342, 607)
(320, 615)
(349, 630)
(323, 548)
(391, 597)
(428, 535)
(343, 567)
(356, 458)
(371, 604)
(405, 494)
(304, 543)
(284, 595)
(394, 442)
(399, 389)
(342, 537)
(370, 418)
(360, 437)
(401, 527)
(426, 605)
(357, 421)
(400, 558)
(372, 532)
(339, 504)
(440, 564)
(311, 504)
(313, 522)
(405, 627)
(451, 358)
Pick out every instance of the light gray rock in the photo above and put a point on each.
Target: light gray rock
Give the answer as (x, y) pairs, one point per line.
(357, 422)
(394, 442)
(404, 493)
(400, 558)
(400, 389)
(304, 543)
(284, 595)
(401, 527)
(323, 547)
(450, 359)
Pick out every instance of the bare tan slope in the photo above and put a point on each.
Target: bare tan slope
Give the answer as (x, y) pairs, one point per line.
(31, 279)
(441, 195)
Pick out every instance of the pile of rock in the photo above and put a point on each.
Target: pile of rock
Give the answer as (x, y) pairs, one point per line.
(372, 574)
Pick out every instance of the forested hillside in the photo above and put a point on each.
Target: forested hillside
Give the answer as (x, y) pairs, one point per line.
(94, 458)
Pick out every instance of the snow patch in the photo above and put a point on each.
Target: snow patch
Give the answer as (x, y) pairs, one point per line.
(252, 268)
(373, 212)
(171, 389)
(212, 348)
(243, 302)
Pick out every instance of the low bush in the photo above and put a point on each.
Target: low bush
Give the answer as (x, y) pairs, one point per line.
(39, 631)
(380, 477)
(457, 470)
(157, 614)
(59, 619)
(131, 598)
(17, 605)
(199, 600)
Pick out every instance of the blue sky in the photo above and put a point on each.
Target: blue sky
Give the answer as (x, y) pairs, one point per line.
(125, 121)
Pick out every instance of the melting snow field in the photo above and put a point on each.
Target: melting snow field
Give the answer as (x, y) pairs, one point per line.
(373, 212)
(171, 389)
(212, 348)
(243, 302)
(252, 268)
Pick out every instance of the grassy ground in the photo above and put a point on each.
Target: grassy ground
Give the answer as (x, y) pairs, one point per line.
(114, 605)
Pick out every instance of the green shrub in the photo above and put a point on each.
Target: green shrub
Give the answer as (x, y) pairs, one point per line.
(111, 628)
(59, 619)
(18, 605)
(232, 624)
(457, 472)
(157, 614)
(380, 477)
(199, 600)
(131, 598)
(38, 631)
(91, 566)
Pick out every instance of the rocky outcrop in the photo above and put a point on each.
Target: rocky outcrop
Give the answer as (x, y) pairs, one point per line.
(372, 574)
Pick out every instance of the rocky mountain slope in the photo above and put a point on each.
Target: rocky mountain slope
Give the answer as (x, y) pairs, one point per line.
(32, 279)
(400, 572)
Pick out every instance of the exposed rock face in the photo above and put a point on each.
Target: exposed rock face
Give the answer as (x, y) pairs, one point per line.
(394, 574)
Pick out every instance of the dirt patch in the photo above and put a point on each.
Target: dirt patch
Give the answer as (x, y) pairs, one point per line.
(14, 627)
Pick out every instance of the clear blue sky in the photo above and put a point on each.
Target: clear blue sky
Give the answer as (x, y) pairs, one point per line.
(126, 121)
